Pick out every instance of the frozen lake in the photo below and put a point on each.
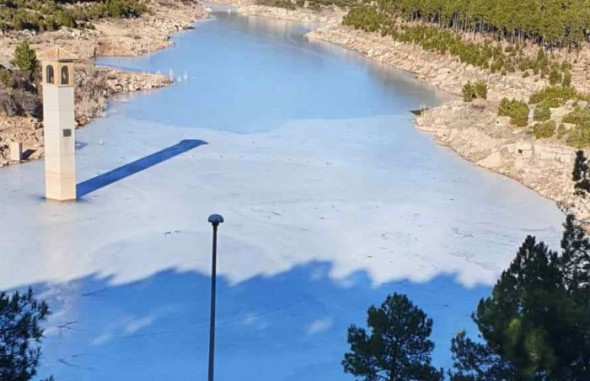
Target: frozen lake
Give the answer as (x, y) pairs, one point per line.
(331, 198)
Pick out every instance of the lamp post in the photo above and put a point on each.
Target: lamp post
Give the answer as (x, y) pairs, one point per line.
(215, 220)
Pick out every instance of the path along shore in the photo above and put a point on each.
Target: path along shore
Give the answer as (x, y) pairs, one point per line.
(473, 130)
(94, 84)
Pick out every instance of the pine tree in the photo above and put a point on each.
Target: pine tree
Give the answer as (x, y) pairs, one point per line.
(535, 326)
(25, 57)
(580, 174)
(20, 335)
(474, 361)
(398, 347)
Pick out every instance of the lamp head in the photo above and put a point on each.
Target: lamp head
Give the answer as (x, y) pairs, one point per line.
(215, 219)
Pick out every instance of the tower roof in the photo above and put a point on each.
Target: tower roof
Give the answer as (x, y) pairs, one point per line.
(57, 54)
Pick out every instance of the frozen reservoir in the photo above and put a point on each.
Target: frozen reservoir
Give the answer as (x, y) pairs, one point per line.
(331, 199)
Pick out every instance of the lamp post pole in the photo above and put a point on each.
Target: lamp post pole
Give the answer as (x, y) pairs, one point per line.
(215, 220)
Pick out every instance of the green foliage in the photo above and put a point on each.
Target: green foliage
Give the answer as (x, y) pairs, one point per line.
(577, 116)
(475, 361)
(486, 55)
(581, 175)
(126, 8)
(518, 111)
(48, 15)
(481, 90)
(542, 113)
(534, 324)
(548, 23)
(468, 92)
(554, 77)
(20, 335)
(397, 348)
(579, 136)
(471, 91)
(367, 18)
(544, 130)
(567, 79)
(6, 78)
(555, 95)
(25, 57)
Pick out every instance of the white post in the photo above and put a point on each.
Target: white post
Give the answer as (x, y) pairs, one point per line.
(16, 151)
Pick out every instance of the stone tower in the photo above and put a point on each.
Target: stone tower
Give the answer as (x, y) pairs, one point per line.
(58, 124)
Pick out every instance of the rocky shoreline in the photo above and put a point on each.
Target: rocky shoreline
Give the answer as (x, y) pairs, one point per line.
(472, 129)
(327, 16)
(475, 132)
(95, 84)
(443, 72)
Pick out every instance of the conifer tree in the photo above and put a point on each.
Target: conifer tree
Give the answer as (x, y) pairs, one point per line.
(535, 326)
(397, 348)
(20, 335)
(580, 174)
(25, 57)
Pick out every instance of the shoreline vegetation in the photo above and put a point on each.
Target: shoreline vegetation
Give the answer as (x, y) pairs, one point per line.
(533, 117)
(88, 30)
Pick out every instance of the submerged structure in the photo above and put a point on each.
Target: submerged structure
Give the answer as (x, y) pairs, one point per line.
(59, 124)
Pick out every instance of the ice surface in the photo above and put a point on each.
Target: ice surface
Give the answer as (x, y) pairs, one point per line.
(324, 216)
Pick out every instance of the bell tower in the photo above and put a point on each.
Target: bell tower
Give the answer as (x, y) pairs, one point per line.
(59, 128)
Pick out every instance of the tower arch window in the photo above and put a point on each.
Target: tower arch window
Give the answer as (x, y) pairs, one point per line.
(49, 74)
(65, 75)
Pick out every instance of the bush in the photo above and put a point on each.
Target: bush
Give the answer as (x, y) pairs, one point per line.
(6, 78)
(132, 8)
(579, 137)
(558, 95)
(578, 116)
(518, 111)
(468, 92)
(544, 130)
(25, 57)
(554, 77)
(542, 113)
(551, 102)
(567, 79)
(481, 90)
(64, 18)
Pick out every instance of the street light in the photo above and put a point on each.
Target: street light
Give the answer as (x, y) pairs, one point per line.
(215, 220)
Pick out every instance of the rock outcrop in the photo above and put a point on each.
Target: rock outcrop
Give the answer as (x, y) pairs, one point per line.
(95, 85)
